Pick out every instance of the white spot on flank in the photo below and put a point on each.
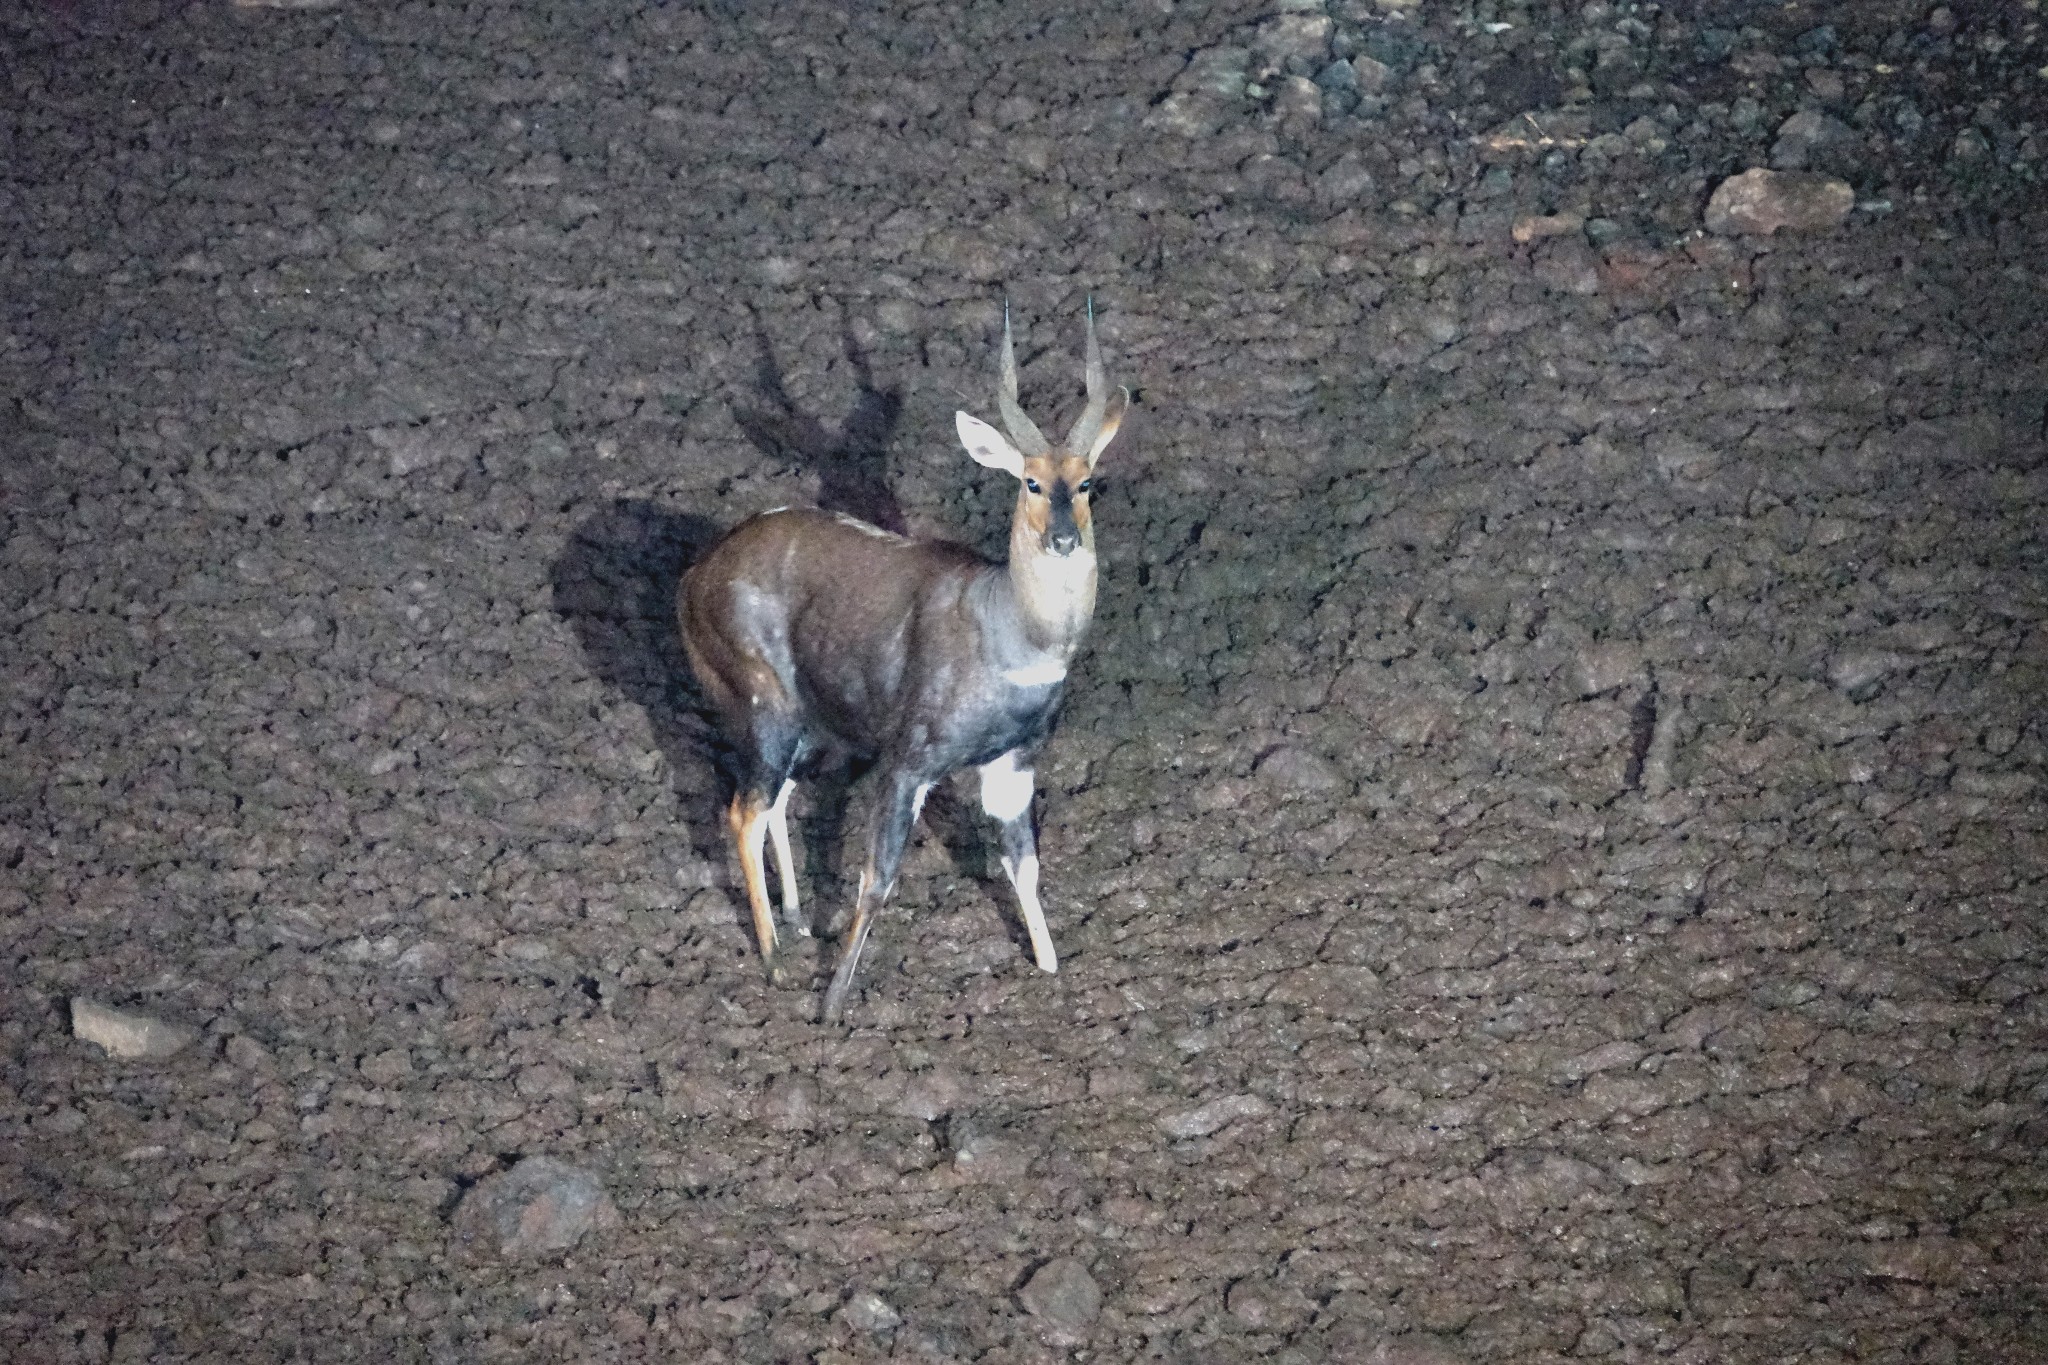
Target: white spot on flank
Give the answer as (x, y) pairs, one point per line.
(773, 510)
(1046, 670)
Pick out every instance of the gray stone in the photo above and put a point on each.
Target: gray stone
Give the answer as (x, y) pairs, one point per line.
(1338, 77)
(1063, 1294)
(1971, 148)
(1298, 98)
(1346, 179)
(990, 1158)
(1658, 777)
(1759, 202)
(1216, 71)
(124, 1034)
(1187, 114)
(1295, 38)
(1297, 770)
(1816, 141)
(1370, 75)
(1213, 1116)
(868, 1311)
(538, 1208)
(1859, 672)
(1568, 266)
(410, 448)
(1267, 1307)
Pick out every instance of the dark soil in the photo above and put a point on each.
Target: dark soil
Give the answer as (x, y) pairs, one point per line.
(1547, 843)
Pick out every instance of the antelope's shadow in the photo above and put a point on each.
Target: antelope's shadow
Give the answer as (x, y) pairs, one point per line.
(615, 584)
(852, 463)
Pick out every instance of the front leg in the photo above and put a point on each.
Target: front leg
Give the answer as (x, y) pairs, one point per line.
(1006, 791)
(898, 812)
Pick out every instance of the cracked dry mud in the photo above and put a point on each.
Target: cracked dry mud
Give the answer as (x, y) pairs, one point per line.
(1547, 843)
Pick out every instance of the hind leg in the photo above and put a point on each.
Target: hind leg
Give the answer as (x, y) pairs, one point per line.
(785, 866)
(773, 748)
(748, 817)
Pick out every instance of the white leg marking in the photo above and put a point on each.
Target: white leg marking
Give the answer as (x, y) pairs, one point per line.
(1006, 788)
(1024, 876)
(924, 789)
(785, 868)
(1006, 791)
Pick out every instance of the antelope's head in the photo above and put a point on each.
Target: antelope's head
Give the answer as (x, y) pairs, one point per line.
(1053, 481)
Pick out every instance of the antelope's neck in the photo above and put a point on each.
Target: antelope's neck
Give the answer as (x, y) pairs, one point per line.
(1054, 595)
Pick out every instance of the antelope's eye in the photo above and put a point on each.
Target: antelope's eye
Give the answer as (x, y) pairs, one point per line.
(1082, 487)
(1032, 484)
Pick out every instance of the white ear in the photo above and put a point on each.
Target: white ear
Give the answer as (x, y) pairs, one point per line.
(987, 445)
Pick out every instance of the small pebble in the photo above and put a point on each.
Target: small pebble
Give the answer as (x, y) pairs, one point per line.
(1760, 202)
(1858, 672)
(868, 1311)
(1809, 139)
(539, 1207)
(124, 1034)
(1213, 1116)
(1063, 1294)
(1295, 37)
(1535, 226)
(1298, 770)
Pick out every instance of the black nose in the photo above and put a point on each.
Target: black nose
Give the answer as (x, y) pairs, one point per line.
(1064, 542)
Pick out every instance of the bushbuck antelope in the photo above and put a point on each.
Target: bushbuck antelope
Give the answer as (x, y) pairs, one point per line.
(812, 633)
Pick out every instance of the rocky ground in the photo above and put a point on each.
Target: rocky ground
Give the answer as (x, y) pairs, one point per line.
(1548, 843)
